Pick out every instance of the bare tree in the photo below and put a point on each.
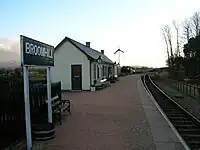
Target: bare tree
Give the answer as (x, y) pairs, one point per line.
(166, 42)
(195, 19)
(176, 26)
(187, 29)
(167, 30)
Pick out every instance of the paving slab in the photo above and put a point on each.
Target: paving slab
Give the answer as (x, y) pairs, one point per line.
(120, 117)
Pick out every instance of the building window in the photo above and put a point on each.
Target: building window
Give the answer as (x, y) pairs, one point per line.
(103, 71)
(106, 71)
(109, 71)
(94, 71)
(97, 71)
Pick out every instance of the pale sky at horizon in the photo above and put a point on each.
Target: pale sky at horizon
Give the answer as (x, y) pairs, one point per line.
(107, 24)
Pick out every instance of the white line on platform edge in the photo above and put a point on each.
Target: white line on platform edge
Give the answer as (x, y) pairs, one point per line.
(165, 117)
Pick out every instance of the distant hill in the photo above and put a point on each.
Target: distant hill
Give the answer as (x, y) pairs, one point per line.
(138, 66)
(9, 53)
(9, 64)
(8, 56)
(9, 59)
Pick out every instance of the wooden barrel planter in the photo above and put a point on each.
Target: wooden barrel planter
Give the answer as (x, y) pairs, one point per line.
(42, 132)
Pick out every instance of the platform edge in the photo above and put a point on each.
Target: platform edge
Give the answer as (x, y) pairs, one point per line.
(165, 117)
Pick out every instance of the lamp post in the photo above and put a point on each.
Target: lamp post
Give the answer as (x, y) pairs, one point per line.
(119, 51)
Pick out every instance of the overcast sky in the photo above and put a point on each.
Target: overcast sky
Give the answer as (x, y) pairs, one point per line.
(134, 25)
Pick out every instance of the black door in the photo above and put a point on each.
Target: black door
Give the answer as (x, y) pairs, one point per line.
(76, 74)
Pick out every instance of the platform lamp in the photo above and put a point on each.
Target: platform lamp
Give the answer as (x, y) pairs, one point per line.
(119, 51)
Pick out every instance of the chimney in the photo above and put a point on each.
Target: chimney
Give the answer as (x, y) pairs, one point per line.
(88, 44)
(102, 51)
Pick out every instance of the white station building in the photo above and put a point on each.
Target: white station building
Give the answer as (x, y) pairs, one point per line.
(78, 66)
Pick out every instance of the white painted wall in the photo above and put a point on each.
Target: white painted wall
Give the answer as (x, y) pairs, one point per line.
(65, 56)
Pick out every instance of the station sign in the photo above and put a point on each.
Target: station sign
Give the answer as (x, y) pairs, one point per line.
(35, 53)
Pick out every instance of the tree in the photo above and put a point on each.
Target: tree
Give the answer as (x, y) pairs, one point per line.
(126, 70)
(191, 46)
(187, 29)
(176, 26)
(169, 38)
(195, 19)
(192, 55)
(167, 45)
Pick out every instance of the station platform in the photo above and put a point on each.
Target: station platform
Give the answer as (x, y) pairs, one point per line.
(120, 117)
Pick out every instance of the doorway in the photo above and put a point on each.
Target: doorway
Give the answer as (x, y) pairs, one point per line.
(76, 77)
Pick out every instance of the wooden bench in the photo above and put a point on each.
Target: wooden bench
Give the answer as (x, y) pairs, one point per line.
(102, 84)
(105, 83)
(59, 106)
(113, 78)
(98, 86)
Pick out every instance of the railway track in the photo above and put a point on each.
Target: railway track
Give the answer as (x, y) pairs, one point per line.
(185, 123)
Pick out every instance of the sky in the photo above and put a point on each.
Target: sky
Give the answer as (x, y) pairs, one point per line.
(131, 25)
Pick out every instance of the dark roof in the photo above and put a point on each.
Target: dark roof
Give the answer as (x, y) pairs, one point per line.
(89, 52)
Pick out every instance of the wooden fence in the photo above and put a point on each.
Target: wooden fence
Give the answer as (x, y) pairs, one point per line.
(188, 89)
(12, 115)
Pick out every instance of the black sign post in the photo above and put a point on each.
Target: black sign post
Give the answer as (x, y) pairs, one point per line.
(35, 53)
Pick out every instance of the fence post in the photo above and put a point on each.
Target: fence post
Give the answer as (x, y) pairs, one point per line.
(186, 88)
(177, 86)
(181, 86)
(198, 93)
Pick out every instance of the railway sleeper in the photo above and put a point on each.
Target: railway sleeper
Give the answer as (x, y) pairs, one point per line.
(171, 109)
(177, 117)
(170, 112)
(184, 125)
(193, 143)
(183, 121)
(191, 136)
(191, 130)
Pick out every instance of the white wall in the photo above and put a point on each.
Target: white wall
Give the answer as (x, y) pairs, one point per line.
(65, 56)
